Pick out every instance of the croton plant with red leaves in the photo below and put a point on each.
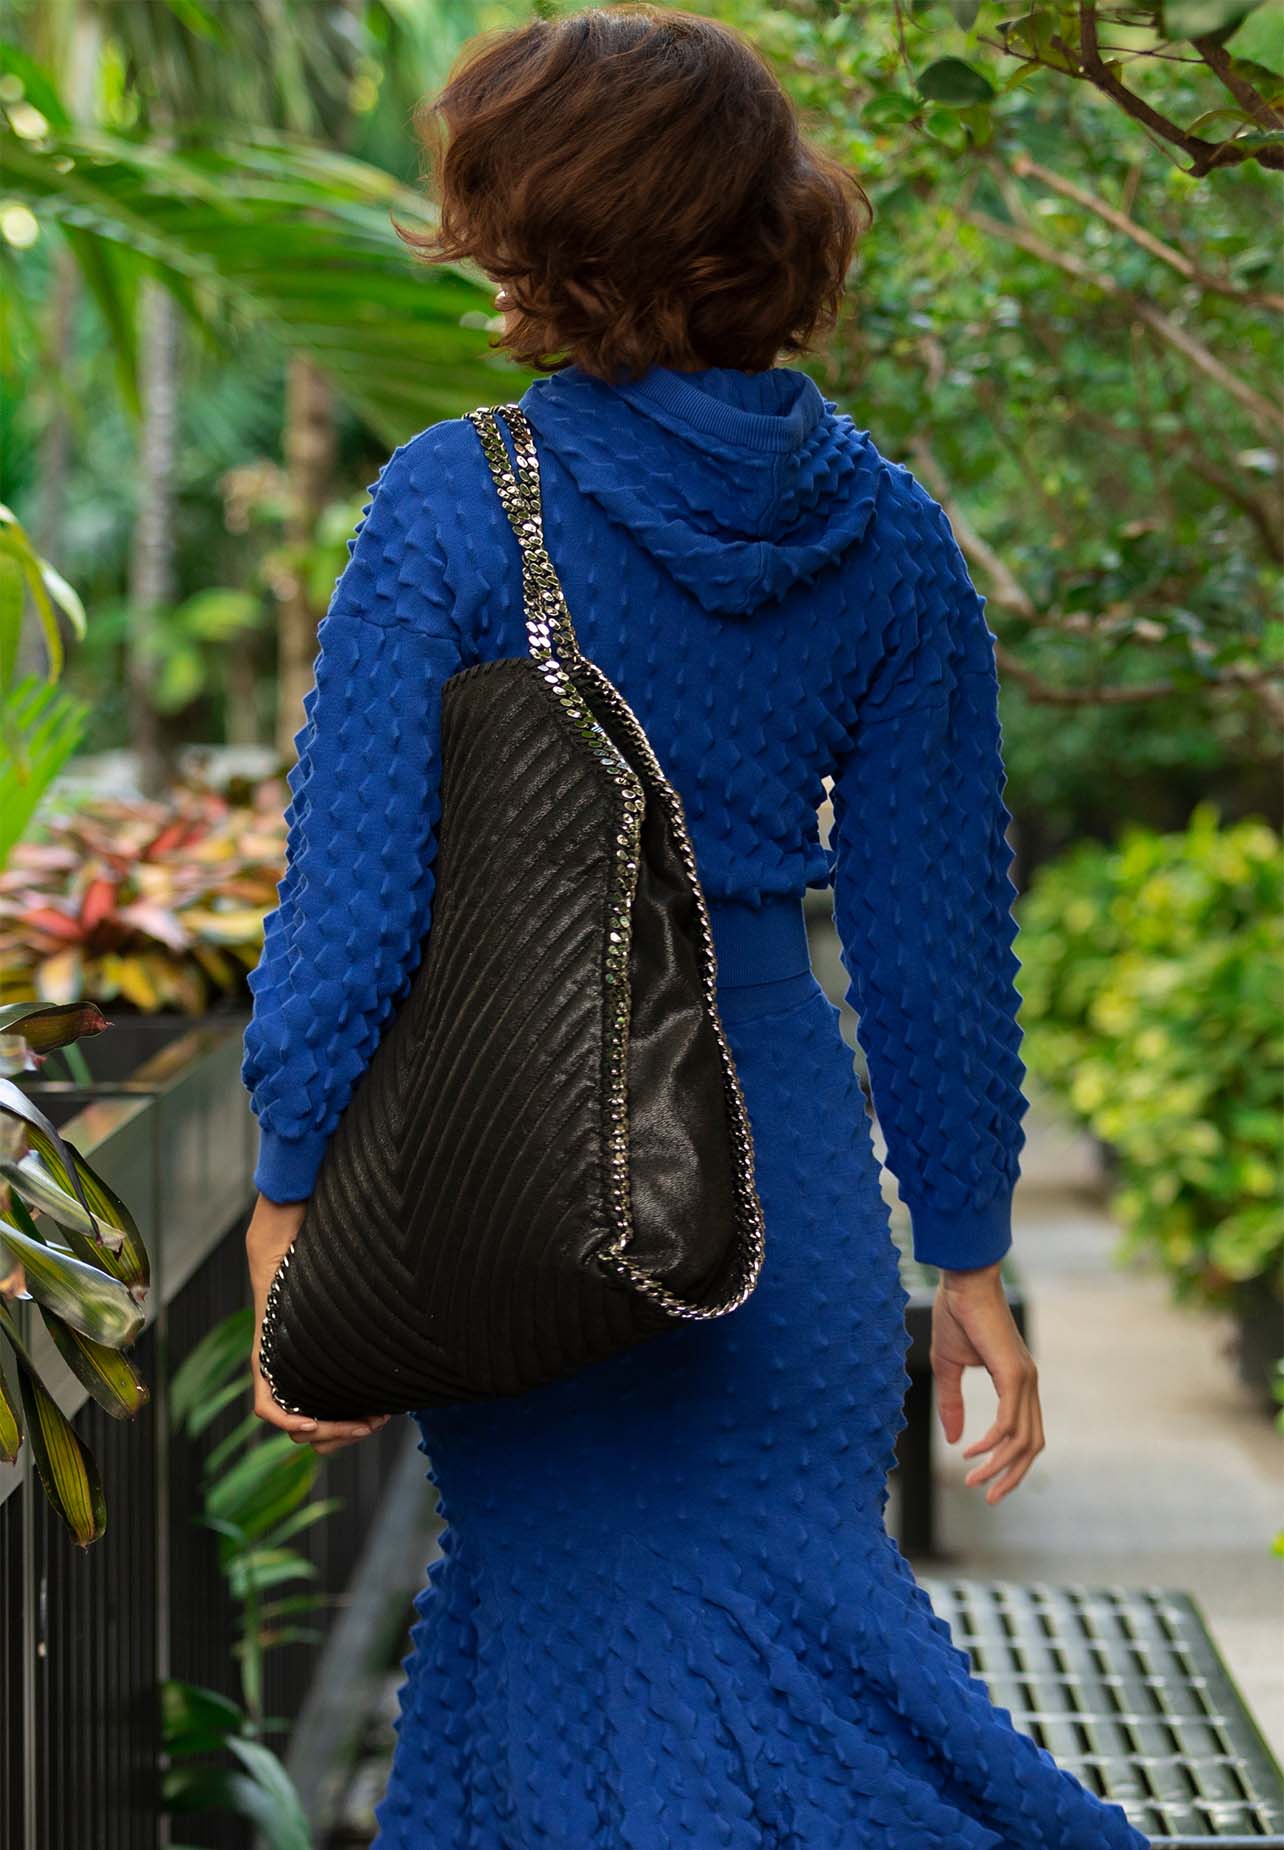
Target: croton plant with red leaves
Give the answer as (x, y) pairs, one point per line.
(158, 904)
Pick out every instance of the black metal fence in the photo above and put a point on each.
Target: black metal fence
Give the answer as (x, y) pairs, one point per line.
(88, 1635)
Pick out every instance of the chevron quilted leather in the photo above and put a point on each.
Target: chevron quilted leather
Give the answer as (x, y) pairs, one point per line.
(453, 1248)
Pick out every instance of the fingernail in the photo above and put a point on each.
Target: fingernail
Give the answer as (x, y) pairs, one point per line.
(307, 1425)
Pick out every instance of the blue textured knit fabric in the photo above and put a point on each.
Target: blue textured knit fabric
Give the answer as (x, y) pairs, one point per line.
(780, 604)
(668, 1614)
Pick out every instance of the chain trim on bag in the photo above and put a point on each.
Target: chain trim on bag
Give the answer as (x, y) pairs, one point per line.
(267, 1334)
(553, 642)
(549, 627)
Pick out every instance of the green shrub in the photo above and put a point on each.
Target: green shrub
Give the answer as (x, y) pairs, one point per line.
(1152, 987)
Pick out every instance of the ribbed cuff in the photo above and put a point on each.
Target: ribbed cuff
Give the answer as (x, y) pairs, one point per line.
(287, 1166)
(963, 1239)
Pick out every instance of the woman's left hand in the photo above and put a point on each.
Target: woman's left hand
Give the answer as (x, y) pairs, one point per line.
(272, 1227)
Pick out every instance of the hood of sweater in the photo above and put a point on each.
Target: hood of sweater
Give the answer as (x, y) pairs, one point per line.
(740, 485)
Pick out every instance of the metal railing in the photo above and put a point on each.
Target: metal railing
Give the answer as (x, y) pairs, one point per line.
(88, 1636)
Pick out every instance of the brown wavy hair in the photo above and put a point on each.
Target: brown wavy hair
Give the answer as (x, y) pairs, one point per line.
(641, 185)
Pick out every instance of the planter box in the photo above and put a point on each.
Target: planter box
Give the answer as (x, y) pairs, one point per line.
(203, 1132)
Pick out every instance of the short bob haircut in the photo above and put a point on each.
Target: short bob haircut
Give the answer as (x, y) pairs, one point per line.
(640, 184)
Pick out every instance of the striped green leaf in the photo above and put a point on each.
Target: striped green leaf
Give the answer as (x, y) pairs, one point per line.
(107, 1376)
(66, 1466)
(91, 1301)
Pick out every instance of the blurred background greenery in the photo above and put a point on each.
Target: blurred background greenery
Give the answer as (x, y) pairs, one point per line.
(1066, 320)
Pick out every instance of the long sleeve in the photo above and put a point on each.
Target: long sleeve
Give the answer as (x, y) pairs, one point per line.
(355, 901)
(923, 897)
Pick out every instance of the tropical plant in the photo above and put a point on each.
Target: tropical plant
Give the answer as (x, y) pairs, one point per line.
(173, 228)
(89, 1286)
(160, 904)
(40, 726)
(258, 1497)
(1152, 986)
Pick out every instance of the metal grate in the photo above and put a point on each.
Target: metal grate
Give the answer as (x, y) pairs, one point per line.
(1126, 1689)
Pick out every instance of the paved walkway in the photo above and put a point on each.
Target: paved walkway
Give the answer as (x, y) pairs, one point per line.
(1159, 1468)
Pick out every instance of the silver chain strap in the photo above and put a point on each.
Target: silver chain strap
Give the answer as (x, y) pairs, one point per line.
(552, 635)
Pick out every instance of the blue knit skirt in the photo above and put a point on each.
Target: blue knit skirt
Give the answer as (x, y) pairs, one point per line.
(668, 1611)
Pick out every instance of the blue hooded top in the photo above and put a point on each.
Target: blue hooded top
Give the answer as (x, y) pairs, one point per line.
(791, 618)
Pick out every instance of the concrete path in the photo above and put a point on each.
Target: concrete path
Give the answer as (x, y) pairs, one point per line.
(1159, 1469)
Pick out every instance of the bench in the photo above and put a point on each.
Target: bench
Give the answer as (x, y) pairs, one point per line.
(1126, 1689)
(914, 1468)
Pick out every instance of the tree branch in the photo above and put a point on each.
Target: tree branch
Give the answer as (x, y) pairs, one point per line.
(1009, 594)
(1251, 101)
(1085, 63)
(1008, 591)
(1025, 168)
(1265, 412)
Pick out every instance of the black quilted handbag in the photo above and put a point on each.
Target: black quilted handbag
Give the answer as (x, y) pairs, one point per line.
(548, 1158)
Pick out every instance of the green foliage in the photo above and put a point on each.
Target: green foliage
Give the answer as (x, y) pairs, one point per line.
(40, 726)
(257, 1496)
(263, 232)
(181, 642)
(89, 1285)
(1152, 987)
(1073, 340)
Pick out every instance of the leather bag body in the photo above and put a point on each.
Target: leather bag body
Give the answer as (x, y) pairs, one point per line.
(548, 1158)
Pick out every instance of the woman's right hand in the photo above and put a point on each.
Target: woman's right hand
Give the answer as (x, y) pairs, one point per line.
(973, 1327)
(272, 1228)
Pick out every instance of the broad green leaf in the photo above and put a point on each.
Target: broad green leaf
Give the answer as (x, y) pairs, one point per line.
(302, 1519)
(214, 1406)
(15, 546)
(41, 727)
(38, 85)
(214, 1789)
(65, 597)
(31, 1180)
(297, 1602)
(99, 1256)
(952, 81)
(12, 602)
(14, 1103)
(270, 1636)
(195, 1720)
(1200, 19)
(90, 1300)
(220, 1357)
(264, 1485)
(1033, 35)
(108, 1377)
(199, 20)
(46, 1027)
(288, 1829)
(10, 1422)
(889, 110)
(9, 1329)
(1260, 38)
(246, 1433)
(132, 1264)
(67, 1470)
(265, 1568)
(218, 614)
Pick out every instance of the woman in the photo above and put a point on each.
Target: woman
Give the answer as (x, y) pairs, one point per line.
(668, 1611)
